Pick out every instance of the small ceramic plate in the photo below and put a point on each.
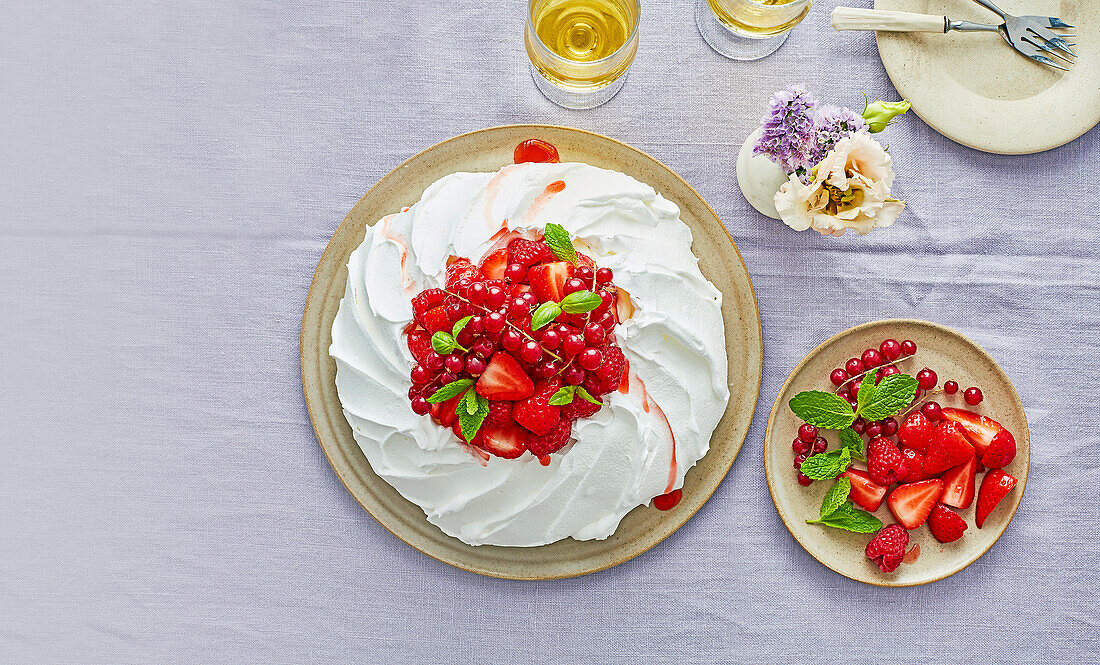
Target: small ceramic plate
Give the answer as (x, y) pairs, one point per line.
(952, 356)
(642, 528)
(975, 89)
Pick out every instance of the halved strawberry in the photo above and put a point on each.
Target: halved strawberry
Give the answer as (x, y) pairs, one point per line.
(494, 263)
(1001, 451)
(916, 432)
(460, 269)
(435, 319)
(958, 484)
(945, 524)
(914, 461)
(504, 378)
(866, 493)
(420, 344)
(548, 280)
(995, 486)
(536, 413)
(911, 503)
(949, 448)
(447, 415)
(979, 430)
(509, 441)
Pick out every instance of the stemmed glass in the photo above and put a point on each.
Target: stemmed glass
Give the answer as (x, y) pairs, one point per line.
(748, 29)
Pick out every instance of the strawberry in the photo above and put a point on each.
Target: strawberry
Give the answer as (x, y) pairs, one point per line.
(1001, 451)
(504, 378)
(945, 524)
(536, 413)
(979, 430)
(949, 448)
(915, 463)
(460, 269)
(885, 463)
(447, 415)
(579, 408)
(494, 263)
(995, 486)
(500, 414)
(610, 373)
(509, 441)
(865, 493)
(555, 439)
(435, 319)
(548, 280)
(426, 300)
(887, 548)
(420, 344)
(911, 503)
(528, 252)
(958, 484)
(916, 432)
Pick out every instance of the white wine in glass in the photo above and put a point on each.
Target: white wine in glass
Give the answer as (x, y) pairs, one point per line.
(748, 29)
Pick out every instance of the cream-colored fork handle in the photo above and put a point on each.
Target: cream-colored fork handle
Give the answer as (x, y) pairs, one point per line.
(851, 18)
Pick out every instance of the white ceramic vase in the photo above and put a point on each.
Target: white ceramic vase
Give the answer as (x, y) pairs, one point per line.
(758, 177)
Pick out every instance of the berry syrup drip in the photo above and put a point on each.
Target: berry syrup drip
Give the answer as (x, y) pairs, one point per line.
(667, 501)
(387, 235)
(648, 402)
(542, 199)
(535, 150)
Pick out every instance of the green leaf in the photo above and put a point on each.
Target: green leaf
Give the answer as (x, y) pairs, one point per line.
(866, 391)
(470, 423)
(443, 343)
(563, 396)
(544, 314)
(836, 496)
(822, 409)
(469, 401)
(580, 302)
(587, 395)
(850, 518)
(823, 466)
(452, 389)
(459, 325)
(852, 441)
(558, 239)
(892, 396)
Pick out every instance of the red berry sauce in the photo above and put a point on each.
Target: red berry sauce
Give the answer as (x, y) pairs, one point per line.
(535, 150)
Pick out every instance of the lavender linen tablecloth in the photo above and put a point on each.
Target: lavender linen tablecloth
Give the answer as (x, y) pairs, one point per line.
(170, 173)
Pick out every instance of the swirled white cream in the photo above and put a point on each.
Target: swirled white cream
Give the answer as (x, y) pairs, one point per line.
(625, 454)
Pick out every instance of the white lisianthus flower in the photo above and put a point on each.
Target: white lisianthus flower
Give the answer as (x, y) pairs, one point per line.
(850, 189)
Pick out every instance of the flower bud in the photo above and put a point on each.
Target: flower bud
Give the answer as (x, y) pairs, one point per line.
(879, 114)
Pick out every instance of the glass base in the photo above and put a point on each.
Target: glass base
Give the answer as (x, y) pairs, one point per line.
(577, 100)
(729, 43)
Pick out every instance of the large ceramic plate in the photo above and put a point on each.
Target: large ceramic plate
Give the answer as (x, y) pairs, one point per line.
(952, 356)
(976, 90)
(488, 150)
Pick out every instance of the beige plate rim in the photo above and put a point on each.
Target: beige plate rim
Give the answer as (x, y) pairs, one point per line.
(315, 405)
(768, 436)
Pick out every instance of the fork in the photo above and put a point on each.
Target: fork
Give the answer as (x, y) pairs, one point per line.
(1028, 28)
(1028, 44)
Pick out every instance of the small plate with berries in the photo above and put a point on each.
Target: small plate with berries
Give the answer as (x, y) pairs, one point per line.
(897, 452)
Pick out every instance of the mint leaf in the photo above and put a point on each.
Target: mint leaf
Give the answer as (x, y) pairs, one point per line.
(836, 496)
(469, 401)
(823, 466)
(470, 423)
(852, 441)
(563, 396)
(558, 239)
(587, 395)
(452, 389)
(850, 518)
(443, 343)
(459, 325)
(580, 302)
(866, 391)
(893, 394)
(822, 409)
(544, 314)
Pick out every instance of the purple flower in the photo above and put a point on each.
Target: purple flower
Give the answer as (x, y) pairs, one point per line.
(832, 124)
(789, 130)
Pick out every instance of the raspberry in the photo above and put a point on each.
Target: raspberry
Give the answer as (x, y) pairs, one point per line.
(887, 548)
(611, 371)
(529, 252)
(426, 300)
(885, 463)
(460, 269)
(579, 408)
(554, 441)
(420, 344)
(536, 413)
(914, 461)
(500, 414)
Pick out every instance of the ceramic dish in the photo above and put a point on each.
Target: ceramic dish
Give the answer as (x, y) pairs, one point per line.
(974, 89)
(953, 356)
(644, 527)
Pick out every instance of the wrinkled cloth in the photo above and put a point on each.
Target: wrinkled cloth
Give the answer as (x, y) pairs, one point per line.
(170, 173)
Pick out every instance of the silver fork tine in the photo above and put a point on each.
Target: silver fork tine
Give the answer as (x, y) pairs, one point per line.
(1050, 37)
(1046, 61)
(1030, 49)
(1049, 50)
(1056, 22)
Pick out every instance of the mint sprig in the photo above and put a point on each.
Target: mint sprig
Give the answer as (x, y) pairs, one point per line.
(836, 496)
(822, 409)
(560, 244)
(544, 314)
(451, 390)
(443, 343)
(459, 325)
(567, 394)
(823, 466)
(852, 441)
(891, 396)
(850, 518)
(473, 416)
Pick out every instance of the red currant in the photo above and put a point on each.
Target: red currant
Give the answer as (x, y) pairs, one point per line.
(807, 432)
(545, 370)
(551, 339)
(519, 307)
(932, 411)
(594, 334)
(474, 365)
(838, 377)
(890, 349)
(951, 387)
(573, 375)
(433, 361)
(890, 371)
(820, 444)
(454, 363)
(515, 273)
(420, 406)
(476, 293)
(874, 429)
(972, 396)
(590, 358)
(908, 347)
(494, 322)
(586, 274)
(530, 352)
(482, 348)
(853, 387)
(572, 344)
(476, 325)
(853, 366)
(572, 285)
(511, 340)
(494, 297)
(890, 426)
(604, 275)
(860, 425)
(804, 480)
(447, 377)
(800, 459)
(871, 358)
(801, 447)
(420, 375)
(605, 302)
(927, 379)
(607, 320)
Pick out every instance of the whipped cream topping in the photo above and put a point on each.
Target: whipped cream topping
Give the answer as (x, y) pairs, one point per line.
(638, 446)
